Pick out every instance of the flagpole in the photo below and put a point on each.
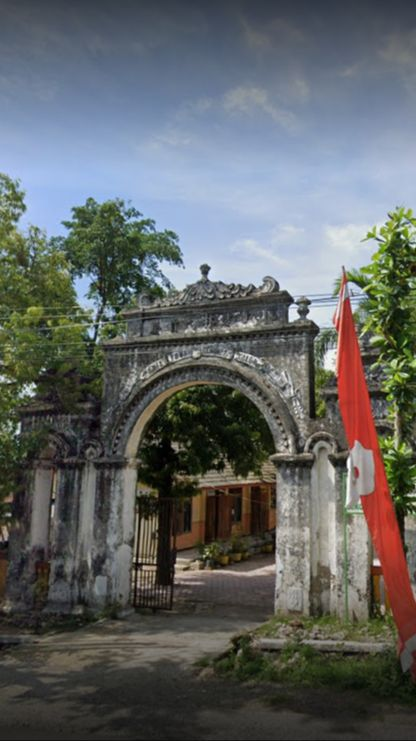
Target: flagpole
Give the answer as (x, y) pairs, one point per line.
(346, 561)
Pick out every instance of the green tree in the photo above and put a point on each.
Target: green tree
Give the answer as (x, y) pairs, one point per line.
(199, 429)
(47, 346)
(325, 341)
(390, 287)
(119, 252)
(42, 329)
(387, 315)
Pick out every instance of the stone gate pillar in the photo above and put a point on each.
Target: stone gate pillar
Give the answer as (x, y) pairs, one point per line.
(323, 554)
(22, 557)
(293, 532)
(113, 536)
(63, 590)
(351, 584)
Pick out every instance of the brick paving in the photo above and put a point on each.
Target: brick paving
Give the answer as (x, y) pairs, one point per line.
(249, 583)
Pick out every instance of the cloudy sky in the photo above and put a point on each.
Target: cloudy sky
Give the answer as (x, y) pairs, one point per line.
(269, 135)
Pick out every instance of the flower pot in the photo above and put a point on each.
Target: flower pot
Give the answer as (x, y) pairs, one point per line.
(235, 556)
(223, 560)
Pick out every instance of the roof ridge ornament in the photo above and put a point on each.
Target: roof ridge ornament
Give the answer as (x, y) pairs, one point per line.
(206, 290)
(204, 268)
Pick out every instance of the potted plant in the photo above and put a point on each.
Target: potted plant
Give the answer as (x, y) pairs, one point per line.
(245, 548)
(200, 559)
(223, 557)
(211, 553)
(236, 548)
(268, 543)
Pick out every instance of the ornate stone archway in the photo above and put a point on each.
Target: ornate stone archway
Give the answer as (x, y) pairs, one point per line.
(210, 333)
(147, 396)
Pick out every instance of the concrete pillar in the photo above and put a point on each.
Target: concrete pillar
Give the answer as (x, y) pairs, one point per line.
(30, 536)
(114, 521)
(323, 555)
(63, 590)
(21, 569)
(293, 533)
(85, 546)
(351, 582)
(40, 521)
(323, 536)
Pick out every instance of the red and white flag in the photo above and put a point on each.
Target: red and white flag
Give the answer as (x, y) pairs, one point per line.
(367, 479)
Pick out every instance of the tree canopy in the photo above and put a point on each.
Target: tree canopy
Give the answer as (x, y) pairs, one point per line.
(390, 287)
(118, 252)
(43, 330)
(48, 342)
(387, 315)
(199, 429)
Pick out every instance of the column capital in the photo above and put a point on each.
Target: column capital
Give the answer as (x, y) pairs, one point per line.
(292, 459)
(112, 461)
(70, 462)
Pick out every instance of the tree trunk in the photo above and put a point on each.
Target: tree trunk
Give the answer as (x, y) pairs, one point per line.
(398, 428)
(165, 552)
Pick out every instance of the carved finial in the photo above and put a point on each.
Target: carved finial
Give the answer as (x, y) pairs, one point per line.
(144, 299)
(303, 303)
(204, 271)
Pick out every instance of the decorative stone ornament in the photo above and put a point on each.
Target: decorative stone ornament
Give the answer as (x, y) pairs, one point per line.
(303, 304)
(206, 290)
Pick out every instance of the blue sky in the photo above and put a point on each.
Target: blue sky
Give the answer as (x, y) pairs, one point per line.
(269, 135)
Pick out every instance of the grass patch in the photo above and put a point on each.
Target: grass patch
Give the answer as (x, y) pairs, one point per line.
(298, 665)
(329, 627)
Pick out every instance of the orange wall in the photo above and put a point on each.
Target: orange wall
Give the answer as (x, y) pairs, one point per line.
(197, 535)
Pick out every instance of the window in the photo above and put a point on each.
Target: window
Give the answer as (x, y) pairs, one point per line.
(184, 517)
(237, 504)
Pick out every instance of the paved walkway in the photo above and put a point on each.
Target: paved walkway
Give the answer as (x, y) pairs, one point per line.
(248, 583)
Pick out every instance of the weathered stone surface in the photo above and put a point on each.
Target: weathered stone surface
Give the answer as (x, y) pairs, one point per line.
(211, 333)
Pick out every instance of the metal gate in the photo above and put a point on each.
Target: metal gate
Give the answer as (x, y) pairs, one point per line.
(155, 553)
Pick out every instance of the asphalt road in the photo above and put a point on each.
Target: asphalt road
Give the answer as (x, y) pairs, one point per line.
(136, 679)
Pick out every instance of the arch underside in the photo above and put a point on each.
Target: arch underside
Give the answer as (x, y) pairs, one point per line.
(145, 401)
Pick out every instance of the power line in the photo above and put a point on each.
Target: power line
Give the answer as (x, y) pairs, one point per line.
(65, 310)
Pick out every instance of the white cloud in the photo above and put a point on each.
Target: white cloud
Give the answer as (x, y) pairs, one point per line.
(249, 100)
(199, 106)
(351, 70)
(252, 249)
(270, 37)
(171, 137)
(400, 48)
(346, 238)
(187, 126)
(400, 51)
(299, 89)
(287, 233)
(341, 244)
